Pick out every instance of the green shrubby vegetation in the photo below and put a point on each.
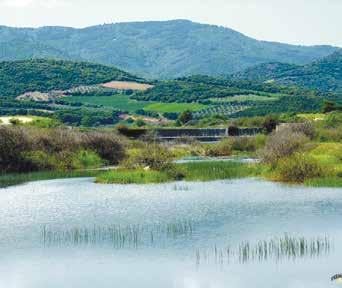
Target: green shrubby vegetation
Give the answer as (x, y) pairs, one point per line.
(298, 168)
(29, 149)
(301, 151)
(204, 171)
(209, 171)
(137, 176)
(156, 49)
(308, 152)
(235, 145)
(281, 145)
(324, 74)
(87, 117)
(44, 75)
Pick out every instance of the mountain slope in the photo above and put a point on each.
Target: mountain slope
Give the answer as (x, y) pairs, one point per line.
(154, 49)
(324, 74)
(42, 75)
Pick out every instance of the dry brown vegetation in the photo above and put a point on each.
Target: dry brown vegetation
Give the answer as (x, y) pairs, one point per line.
(27, 149)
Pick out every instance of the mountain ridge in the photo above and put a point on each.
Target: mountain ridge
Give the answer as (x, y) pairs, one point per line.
(324, 74)
(154, 49)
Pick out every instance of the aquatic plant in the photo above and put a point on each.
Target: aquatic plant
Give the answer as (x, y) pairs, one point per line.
(276, 249)
(117, 236)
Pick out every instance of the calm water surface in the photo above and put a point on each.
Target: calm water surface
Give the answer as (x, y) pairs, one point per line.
(241, 233)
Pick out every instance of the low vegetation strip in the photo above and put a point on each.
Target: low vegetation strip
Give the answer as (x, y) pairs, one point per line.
(203, 171)
(308, 152)
(138, 176)
(174, 107)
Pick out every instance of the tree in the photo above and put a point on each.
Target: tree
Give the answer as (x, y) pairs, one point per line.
(140, 123)
(185, 117)
(15, 121)
(330, 106)
(233, 131)
(270, 124)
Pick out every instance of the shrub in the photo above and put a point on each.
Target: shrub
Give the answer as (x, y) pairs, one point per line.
(40, 160)
(333, 120)
(226, 146)
(185, 117)
(330, 135)
(305, 128)
(260, 141)
(222, 148)
(270, 124)
(45, 123)
(84, 159)
(15, 121)
(29, 148)
(138, 176)
(55, 140)
(243, 144)
(330, 106)
(140, 123)
(151, 155)
(175, 172)
(233, 131)
(13, 142)
(108, 146)
(282, 144)
(298, 168)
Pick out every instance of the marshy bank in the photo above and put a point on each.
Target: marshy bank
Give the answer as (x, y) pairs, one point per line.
(305, 152)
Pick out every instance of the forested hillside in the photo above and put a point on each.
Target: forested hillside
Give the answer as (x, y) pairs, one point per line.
(166, 49)
(324, 74)
(93, 105)
(45, 75)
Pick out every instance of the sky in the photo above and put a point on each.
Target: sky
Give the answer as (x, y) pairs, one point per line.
(304, 22)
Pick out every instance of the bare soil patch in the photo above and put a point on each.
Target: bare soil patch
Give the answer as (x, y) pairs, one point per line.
(124, 85)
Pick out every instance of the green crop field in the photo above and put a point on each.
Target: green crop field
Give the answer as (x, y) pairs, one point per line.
(121, 102)
(174, 107)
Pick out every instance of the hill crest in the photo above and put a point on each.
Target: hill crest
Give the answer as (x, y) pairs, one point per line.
(155, 49)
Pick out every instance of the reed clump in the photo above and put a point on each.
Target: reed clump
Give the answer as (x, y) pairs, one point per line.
(118, 236)
(276, 249)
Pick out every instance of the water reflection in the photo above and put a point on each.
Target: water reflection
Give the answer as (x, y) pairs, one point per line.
(75, 233)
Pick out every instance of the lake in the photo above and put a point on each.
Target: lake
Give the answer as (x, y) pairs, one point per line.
(242, 233)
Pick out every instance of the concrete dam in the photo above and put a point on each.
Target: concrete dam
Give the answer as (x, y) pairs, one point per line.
(200, 134)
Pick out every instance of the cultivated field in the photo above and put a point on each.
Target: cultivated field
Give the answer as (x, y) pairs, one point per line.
(174, 107)
(121, 102)
(124, 85)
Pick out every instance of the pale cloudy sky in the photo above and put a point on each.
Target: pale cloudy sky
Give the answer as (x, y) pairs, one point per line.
(293, 21)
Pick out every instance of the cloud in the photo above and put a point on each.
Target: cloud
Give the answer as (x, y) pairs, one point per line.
(27, 3)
